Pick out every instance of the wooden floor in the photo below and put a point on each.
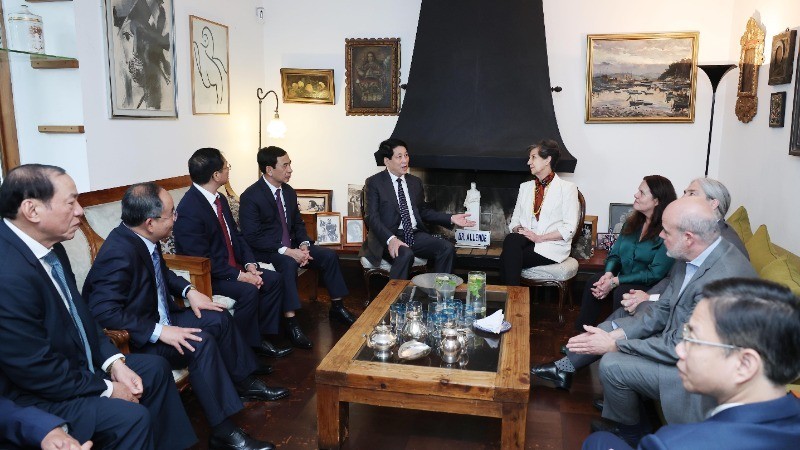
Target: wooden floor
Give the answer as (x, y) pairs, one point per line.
(556, 419)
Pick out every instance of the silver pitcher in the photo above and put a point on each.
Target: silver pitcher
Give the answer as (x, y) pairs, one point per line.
(414, 329)
(450, 347)
(381, 340)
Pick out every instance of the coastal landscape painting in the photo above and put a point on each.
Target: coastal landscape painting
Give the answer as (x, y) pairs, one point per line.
(641, 77)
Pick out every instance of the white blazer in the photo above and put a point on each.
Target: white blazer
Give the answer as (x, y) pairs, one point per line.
(560, 211)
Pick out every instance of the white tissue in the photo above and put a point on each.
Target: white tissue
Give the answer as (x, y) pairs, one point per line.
(492, 323)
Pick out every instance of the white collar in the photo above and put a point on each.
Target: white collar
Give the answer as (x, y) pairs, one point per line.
(210, 198)
(39, 250)
(271, 187)
(150, 244)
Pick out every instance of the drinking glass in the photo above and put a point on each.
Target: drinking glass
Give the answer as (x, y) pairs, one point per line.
(476, 292)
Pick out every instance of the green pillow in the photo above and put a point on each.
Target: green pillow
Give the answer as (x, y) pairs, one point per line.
(780, 271)
(740, 222)
(760, 249)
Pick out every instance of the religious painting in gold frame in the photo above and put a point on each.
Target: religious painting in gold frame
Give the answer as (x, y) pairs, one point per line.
(643, 77)
(372, 77)
(750, 60)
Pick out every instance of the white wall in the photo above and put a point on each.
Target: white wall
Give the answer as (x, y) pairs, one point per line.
(124, 151)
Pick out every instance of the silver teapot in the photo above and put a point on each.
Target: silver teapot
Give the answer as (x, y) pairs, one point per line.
(381, 340)
(414, 329)
(450, 347)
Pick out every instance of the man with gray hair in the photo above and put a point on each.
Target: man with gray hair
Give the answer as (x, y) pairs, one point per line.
(638, 352)
(719, 198)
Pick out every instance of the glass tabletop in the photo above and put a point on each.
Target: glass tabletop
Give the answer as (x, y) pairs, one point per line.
(482, 349)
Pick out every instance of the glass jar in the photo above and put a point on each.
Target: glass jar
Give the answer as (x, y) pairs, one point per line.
(476, 293)
(25, 31)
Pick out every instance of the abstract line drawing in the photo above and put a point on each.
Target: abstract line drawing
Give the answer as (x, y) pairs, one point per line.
(210, 81)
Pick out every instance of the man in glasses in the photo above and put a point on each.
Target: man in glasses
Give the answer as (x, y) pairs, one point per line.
(741, 347)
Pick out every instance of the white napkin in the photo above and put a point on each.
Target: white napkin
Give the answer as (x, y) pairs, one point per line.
(492, 323)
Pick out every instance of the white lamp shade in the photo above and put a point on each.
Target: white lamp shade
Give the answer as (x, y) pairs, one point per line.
(276, 128)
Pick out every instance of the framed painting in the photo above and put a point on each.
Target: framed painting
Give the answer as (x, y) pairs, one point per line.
(210, 81)
(587, 241)
(794, 137)
(617, 214)
(649, 77)
(781, 61)
(140, 46)
(777, 109)
(354, 200)
(314, 200)
(329, 228)
(354, 232)
(308, 86)
(372, 77)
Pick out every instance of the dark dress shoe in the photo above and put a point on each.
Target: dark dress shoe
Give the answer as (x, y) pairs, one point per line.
(263, 369)
(297, 336)
(564, 350)
(549, 372)
(598, 404)
(271, 350)
(238, 440)
(631, 434)
(340, 313)
(254, 389)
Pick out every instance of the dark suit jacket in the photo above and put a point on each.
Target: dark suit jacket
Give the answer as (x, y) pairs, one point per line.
(121, 287)
(197, 233)
(382, 212)
(767, 425)
(24, 427)
(42, 357)
(258, 216)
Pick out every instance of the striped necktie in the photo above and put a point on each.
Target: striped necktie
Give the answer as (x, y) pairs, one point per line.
(405, 217)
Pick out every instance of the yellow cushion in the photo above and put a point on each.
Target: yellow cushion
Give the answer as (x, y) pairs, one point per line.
(740, 222)
(760, 249)
(781, 271)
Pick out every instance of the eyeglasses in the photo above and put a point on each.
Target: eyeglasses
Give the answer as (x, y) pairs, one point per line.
(687, 330)
(174, 216)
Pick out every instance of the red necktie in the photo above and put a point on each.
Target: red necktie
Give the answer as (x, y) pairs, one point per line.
(226, 235)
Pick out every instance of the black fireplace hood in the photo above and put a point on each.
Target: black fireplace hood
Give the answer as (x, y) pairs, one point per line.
(478, 88)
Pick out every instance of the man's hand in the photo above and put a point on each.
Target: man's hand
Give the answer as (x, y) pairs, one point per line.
(301, 255)
(249, 277)
(122, 374)
(198, 301)
(179, 337)
(594, 341)
(462, 220)
(394, 246)
(57, 439)
(121, 391)
(632, 299)
(253, 268)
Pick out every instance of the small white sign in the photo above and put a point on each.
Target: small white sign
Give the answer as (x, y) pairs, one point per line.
(470, 238)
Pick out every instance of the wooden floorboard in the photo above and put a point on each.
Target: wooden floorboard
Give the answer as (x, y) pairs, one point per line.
(556, 419)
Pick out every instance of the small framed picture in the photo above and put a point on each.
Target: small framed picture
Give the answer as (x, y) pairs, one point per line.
(354, 200)
(308, 86)
(605, 241)
(329, 228)
(354, 232)
(210, 66)
(314, 200)
(586, 242)
(777, 109)
(617, 215)
(781, 61)
(590, 227)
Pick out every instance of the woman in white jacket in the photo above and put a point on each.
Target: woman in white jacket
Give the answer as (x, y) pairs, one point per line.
(545, 217)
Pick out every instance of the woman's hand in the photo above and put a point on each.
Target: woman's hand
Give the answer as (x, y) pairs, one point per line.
(602, 287)
(533, 237)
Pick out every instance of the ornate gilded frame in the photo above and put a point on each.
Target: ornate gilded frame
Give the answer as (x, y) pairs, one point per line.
(750, 60)
(610, 60)
(295, 85)
(372, 84)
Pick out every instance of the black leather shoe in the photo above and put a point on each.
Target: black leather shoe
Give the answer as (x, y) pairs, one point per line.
(271, 350)
(598, 404)
(631, 433)
(263, 369)
(238, 440)
(297, 336)
(254, 389)
(340, 313)
(549, 372)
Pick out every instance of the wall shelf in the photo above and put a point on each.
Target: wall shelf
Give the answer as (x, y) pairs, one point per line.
(76, 129)
(40, 60)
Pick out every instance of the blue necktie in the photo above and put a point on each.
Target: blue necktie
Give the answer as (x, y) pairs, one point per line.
(163, 309)
(405, 217)
(58, 273)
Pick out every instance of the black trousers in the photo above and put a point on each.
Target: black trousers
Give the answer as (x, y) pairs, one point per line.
(324, 259)
(590, 305)
(257, 310)
(518, 254)
(438, 251)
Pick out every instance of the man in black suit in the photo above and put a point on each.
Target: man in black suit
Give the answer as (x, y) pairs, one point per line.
(272, 225)
(395, 212)
(32, 427)
(129, 287)
(205, 227)
(53, 353)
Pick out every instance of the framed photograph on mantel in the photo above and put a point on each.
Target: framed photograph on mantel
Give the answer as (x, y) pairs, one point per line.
(210, 82)
(617, 215)
(372, 77)
(354, 232)
(308, 86)
(314, 200)
(140, 44)
(646, 77)
(329, 229)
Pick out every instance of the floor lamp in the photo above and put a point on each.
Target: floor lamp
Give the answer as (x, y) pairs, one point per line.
(715, 72)
(276, 127)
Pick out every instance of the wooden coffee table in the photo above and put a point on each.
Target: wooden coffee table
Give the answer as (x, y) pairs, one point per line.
(343, 378)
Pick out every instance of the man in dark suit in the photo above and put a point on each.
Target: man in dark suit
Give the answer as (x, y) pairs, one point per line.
(205, 227)
(741, 346)
(124, 291)
(32, 427)
(272, 226)
(638, 351)
(54, 355)
(395, 214)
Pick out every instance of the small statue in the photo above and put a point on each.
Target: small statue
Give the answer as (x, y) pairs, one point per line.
(473, 205)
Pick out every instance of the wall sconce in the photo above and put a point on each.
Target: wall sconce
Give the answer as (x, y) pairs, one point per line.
(276, 128)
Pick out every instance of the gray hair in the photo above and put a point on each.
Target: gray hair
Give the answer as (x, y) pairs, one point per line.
(715, 190)
(705, 228)
(141, 202)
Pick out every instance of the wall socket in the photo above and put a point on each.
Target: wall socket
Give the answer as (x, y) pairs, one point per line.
(260, 14)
